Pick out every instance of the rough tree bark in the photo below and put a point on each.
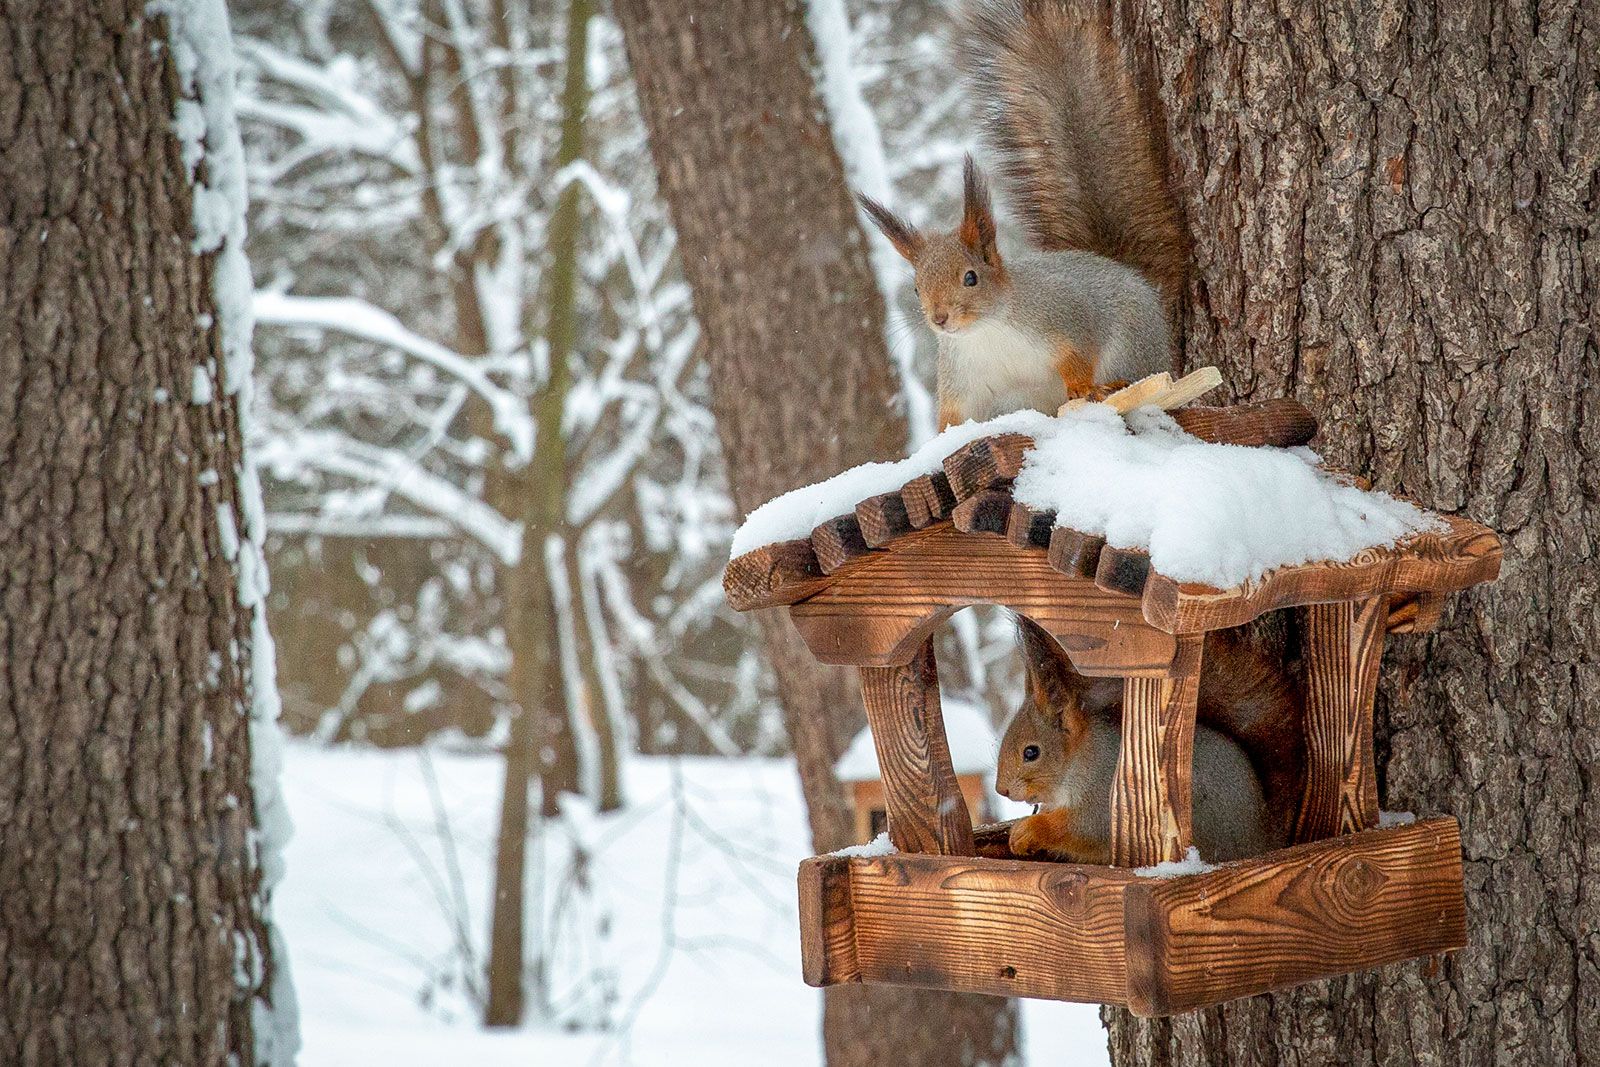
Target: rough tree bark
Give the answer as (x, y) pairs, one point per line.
(801, 383)
(131, 884)
(1393, 208)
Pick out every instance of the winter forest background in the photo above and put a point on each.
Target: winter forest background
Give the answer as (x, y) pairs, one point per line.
(416, 223)
(544, 297)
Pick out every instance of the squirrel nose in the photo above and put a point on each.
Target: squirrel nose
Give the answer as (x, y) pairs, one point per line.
(940, 317)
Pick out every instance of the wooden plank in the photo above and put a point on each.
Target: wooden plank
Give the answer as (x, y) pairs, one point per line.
(927, 812)
(771, 576)
(1463, 555)
(1191, 386)
(1075, 553)
(878, 610)
(1150, 796)
(1283, 423)
(986, 512)
(927, 499)
(882, 518)
(1122, 570)
(1027, 528)
(986, 463)
(1343, 647)
(837, 542)
(1297, 915)
(1007, 928)
(827, 925)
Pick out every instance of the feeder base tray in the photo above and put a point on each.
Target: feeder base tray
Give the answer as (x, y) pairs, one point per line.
(1158, 946)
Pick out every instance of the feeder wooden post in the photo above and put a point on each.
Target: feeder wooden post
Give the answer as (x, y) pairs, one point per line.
(926, 810)
(1150, 796)
(1344, 644)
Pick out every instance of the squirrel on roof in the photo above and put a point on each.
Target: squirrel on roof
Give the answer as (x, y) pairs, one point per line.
(1083, 310)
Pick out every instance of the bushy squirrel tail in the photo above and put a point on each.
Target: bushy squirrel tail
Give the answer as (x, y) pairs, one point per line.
(1077, 153)
(1259, 702)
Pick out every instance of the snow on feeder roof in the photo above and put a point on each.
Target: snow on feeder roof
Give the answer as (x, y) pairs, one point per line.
(1165, 506)
(966, 725)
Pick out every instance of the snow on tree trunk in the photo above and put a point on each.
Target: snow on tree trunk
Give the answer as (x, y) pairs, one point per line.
(1393, 209)
(140, 821)
(802, 387)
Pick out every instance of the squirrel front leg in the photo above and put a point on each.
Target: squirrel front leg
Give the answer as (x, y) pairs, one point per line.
(1054, 834)
(1076, 365)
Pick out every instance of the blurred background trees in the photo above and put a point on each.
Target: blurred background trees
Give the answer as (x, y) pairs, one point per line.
(497, 495)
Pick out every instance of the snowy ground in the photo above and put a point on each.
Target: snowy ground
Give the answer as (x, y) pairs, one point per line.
(388, 875)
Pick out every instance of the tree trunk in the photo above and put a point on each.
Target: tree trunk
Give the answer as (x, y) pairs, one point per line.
(1393, 208)
(540, 744)
(130, 920)
(801, 384)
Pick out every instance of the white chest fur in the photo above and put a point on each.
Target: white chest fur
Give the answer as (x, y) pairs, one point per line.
(991, 368)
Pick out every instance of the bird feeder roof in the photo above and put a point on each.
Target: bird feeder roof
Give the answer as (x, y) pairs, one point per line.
(1147, 510)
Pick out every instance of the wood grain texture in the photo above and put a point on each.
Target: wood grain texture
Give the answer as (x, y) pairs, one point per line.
(1105, 935)
(1463, 555)
(1004, 927)
(1150, 796)
(1074, 553)
(1343, 647)
(927, 812)
(1283, 423)
(772, 576)
(985, 512)
(837, 542)
(1122, 570)
(987, 463)
(1303, 913)
(1027, 528)
(827, 922)
(928, 499)
(882, 518)
(879, 609)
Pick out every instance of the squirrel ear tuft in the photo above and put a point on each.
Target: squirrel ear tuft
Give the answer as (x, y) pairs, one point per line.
(906, 240)
(1049, 672)
(977, 230)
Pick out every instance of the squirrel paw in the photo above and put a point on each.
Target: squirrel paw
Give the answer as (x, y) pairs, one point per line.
(1051, 835)
(1032, 836)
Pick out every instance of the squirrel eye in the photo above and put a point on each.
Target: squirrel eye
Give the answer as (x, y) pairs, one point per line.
(970, 278)
(1030, 753)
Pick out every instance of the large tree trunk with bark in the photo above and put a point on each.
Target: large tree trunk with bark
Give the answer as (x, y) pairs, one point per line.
(1393, 208)
(801, 384)
(131, 925)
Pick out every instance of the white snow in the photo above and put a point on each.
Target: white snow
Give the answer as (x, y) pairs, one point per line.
(796, 513)
(878, 846)
(1190, 864)
(200, 391)
(204, 120)
(966, 725)
(1208, 513)
(368, 911)
(228, 530)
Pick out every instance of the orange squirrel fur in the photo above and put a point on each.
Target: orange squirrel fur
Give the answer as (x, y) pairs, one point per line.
(1082, 310)
(1060, 751)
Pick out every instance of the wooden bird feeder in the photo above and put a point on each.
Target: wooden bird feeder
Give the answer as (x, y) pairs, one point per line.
(953, 910)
